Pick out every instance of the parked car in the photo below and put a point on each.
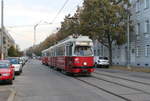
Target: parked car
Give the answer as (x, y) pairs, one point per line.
(16, 63)
(6, 71)
(22, 61)
(101, 61)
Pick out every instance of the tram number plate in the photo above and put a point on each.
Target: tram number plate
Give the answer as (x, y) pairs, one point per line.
(84, 70)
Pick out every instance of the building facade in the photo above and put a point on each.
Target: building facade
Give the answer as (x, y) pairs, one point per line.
(139, 39)
(8, 41)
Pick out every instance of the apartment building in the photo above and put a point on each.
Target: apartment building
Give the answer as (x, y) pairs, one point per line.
(8, 41)
(139, 38)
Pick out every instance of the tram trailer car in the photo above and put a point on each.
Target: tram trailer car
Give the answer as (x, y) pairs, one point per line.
(45, 57)
(72, 55)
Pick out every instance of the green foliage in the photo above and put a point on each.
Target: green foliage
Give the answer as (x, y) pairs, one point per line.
(14, 52)
(49, 41)
(102, 19)
(105, 20)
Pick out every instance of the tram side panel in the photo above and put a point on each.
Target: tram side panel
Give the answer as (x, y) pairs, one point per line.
(60, 62)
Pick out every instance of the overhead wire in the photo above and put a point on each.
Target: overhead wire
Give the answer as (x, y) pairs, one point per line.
(65, 3)
(60, 10)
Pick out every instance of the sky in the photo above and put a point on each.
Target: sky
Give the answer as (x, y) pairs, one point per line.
(20, 16)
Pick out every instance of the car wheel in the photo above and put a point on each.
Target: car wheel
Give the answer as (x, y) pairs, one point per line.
(98, 66)
(18, 73)
(107, 66)
(14, 78)
(21, 71)
(95, 65)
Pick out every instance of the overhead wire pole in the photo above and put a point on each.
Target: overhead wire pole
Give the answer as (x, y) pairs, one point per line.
(128, 39)
(34, 42)
(35, 26)
(2, 28)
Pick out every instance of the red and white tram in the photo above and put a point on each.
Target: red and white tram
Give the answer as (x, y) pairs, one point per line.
(72, 55)
(45, 57)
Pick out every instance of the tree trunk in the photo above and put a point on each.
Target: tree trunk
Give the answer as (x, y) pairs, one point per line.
(110, 53)
(110, 49)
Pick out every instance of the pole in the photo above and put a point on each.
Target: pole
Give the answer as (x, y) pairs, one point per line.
(35, 34)
(128, 34)
(2, 28)
(35, 26)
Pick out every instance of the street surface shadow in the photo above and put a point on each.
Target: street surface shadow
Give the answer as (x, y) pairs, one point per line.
(4, 83)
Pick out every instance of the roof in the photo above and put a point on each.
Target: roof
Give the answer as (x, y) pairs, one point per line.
(69, 39)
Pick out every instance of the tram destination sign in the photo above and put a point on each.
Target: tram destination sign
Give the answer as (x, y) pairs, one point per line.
(84, 43)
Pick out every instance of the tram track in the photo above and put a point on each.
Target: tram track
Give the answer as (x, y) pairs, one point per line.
(108, 91)
(112, 76)
(102, 89)
(112, 82)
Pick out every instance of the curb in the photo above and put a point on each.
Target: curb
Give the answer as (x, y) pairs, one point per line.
(12, 95)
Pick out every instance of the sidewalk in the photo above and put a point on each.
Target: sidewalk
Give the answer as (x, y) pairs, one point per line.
(7, 94)
(4, 94)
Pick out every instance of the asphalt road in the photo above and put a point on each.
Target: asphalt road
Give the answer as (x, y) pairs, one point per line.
(40, 83)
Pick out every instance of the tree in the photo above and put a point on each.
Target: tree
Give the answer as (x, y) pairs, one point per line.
(12, 52)
(106, 21)
(49, 41)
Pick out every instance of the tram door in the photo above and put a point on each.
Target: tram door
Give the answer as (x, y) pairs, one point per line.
(68, 56)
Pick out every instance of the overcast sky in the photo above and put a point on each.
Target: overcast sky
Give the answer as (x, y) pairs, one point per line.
(21, 15)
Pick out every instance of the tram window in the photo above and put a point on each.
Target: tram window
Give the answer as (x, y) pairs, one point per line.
(68, 50)
(83, 51)
(61, 51)
(47, 54)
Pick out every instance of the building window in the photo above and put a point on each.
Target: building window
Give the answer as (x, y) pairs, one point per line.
(137, 51)
(137, 6)
(98, 52)
(146, 27)
(138, 29)
(147, 50)
(94, 52)
(146, 4)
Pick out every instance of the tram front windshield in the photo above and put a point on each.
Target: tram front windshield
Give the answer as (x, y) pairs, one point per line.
(83, 51)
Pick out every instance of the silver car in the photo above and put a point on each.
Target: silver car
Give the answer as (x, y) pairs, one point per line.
(16, 63)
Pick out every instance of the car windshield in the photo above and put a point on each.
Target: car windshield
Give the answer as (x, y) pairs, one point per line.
(14, 61)
(4, 65)
(105, 58)
(83, 51)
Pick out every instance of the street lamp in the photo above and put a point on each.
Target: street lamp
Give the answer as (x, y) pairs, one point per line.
(35, 34)
(35, 27)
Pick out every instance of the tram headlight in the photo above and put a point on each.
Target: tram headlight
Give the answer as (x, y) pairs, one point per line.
(84, 63)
